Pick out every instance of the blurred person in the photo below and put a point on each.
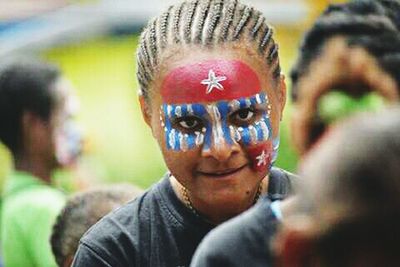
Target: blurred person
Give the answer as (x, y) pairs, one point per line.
(36, 109)
(364, 58)
(369, 24)
(347, 211)
(212, 93)
(83, 210)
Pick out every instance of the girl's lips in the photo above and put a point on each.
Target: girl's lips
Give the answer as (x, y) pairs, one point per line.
(222, 173)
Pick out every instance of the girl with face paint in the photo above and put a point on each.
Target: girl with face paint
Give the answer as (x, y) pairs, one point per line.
(217, 129)
(212, 92)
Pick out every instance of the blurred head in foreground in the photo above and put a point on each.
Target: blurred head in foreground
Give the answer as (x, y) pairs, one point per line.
(347, 211)
(344, 80)
(83, 210)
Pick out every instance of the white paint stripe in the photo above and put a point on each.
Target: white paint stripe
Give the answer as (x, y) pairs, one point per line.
(217, 132)
(172, 139)
(234, 105)
(253, 134)
(265, 130)
(190, 109)
(183, 142)
(258, 99)
(169, 110)
(178, 111)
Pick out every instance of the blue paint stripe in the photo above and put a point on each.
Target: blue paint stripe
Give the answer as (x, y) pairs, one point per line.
(223, 109)
(242, 102)
(246, 136)
(184, 109)
(262, 97)
(167, 123)
(260, 134)
(198, 110)
(191, 140)
(253, 100)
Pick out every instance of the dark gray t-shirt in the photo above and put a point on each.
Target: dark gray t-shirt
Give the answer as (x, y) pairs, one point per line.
(155, 229)
(243, 241)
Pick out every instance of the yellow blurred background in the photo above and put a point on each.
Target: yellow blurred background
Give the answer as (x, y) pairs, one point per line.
(119, 146)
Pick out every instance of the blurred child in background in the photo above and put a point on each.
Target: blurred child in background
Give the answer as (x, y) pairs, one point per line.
(36, 111)
(83, 210)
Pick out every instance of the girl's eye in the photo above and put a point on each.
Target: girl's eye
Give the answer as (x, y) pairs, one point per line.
(243, 115)
(189, 123)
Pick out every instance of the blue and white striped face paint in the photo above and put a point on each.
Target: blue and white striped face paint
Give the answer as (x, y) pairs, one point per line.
(244, 120)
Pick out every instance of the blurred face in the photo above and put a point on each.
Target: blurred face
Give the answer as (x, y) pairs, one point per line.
(66, 136)
(216, 118)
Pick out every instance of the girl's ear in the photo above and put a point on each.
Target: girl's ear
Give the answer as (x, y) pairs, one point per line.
(282, 93)
(145, 110)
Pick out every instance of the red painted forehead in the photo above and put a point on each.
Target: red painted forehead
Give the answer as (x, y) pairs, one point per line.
(209, 81)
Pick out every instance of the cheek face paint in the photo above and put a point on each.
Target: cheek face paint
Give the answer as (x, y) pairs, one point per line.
(263, 155)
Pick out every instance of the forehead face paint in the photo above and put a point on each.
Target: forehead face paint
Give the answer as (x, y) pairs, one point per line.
(212, 93)
(210, 81)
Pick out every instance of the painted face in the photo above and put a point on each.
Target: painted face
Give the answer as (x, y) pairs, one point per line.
(68, 136)
(215, 103)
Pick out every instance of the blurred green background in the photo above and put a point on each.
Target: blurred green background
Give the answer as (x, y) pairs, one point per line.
(120, 146)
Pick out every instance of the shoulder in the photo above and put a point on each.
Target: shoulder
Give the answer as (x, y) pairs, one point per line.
(43, 201)
(281, 183)
(238, 240)
(119, 232)
(108, 239)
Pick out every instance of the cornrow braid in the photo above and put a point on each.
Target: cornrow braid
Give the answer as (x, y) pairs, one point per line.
(227, 20)
(257, 26)
(356, 20)
(242, 22)
(189, 21)
(214, 18)
(201, 20)
(164, 27)
(206, 23)
(176, 22)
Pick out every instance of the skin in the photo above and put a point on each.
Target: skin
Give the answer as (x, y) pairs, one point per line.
(221, 182)
(39, 136)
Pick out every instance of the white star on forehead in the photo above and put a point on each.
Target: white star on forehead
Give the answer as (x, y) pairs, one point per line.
(262, 159)
(213, 82)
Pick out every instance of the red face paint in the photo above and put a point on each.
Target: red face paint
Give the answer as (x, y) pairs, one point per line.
(261, 156)
(210, 81)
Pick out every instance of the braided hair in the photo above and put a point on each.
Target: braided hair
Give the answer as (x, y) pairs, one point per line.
(370, 24)
(204, 23)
